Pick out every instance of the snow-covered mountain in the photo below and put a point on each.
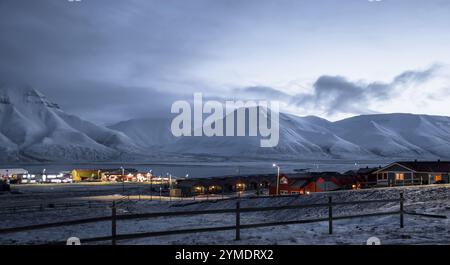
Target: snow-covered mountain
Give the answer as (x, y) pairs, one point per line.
(148, 132)
(362, 137)
(33, 128)
(299, 138)
(398, 135)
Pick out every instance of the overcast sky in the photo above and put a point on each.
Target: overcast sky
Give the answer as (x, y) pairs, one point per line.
(111, 60)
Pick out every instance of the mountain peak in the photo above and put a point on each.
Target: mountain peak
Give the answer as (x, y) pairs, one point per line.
(18, 95)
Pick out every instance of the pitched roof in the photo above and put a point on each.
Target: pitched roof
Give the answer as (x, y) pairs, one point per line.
(428, 166)
(367, 170)
(423, 166)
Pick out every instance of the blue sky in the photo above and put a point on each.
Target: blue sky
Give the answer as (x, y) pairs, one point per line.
(137, 57)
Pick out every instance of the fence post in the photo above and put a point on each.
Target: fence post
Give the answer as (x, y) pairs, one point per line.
(330, 215)
(401, 210)
(113, 224)
(238, 220)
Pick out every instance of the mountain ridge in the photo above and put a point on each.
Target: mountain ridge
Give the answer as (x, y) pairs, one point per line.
(32, 128)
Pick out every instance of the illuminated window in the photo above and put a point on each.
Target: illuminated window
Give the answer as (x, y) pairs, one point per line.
(399, 176)
(437, 178)
(240, 186)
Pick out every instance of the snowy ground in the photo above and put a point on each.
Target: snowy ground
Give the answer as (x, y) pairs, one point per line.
(418, 230)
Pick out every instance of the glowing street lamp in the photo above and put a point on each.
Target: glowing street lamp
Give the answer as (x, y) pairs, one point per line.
(278, 177)
(123, 180)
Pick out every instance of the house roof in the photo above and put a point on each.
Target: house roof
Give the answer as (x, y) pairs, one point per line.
(12, 171)
(300, 183)
(367, 170)
(422, 166)
(118, 171)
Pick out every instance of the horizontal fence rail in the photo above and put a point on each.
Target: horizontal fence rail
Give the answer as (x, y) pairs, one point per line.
(237, 227)
(45, 206)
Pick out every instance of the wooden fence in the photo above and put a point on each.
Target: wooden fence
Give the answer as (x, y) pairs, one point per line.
(114, 218)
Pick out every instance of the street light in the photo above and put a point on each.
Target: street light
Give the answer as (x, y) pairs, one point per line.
(123, 181)
(44, 178)
(170, 187)
(151, 184)
(278, 177)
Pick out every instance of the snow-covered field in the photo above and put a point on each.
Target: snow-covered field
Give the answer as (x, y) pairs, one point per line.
(418, 230)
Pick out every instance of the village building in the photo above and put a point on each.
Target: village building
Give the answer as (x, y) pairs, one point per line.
(301, 183)
(304, 183)
(112, 174)
(223, 185)
(118, 174)
(366, 175)
(413, 173)
(79, 175)
(12, 175)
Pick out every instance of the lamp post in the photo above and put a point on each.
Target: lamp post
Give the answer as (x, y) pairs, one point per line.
(123, 180)
(44, 178)
(151, 183)
(278, 178)
(170, 187)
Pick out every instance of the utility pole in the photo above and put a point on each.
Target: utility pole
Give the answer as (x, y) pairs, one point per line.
(123, 180)
(278, 178)
(170, 187)
(151, 184)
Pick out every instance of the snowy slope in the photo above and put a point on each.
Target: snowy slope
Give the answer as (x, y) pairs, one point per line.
(398, 135)
(300, 137)
(364, 137)
(148, 132)
(34, 128)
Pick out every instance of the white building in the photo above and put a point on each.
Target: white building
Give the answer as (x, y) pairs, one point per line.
(10, 172)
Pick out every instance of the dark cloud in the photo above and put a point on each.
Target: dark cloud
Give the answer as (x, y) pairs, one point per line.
(109, 60)
(335, 94)
(109, 103)
(114, 52)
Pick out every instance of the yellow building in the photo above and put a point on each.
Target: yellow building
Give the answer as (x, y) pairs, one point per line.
(85, 175)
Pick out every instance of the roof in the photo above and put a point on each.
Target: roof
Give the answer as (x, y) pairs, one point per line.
(12, 171)
(118, 170)
(422, 166)
(300, 183)
(367, 170)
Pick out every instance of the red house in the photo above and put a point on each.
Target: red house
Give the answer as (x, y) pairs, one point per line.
(298, 184)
